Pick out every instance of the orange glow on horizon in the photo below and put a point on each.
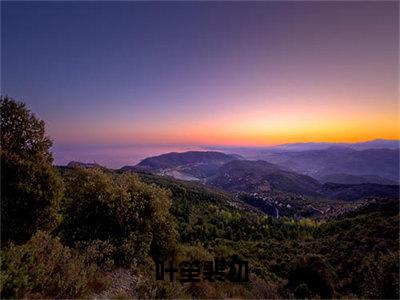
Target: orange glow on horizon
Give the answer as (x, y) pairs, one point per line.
(256, 131)
(264, 123)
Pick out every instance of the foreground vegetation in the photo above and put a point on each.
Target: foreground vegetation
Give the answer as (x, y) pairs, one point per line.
(65, 231)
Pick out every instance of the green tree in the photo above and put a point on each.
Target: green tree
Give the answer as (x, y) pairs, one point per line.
(22, 134)
(30, 188)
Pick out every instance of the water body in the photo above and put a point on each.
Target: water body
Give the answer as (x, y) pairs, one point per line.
(113, 156)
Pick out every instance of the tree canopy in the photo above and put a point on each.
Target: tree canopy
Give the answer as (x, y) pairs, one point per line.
(30, 187)
(22, 134)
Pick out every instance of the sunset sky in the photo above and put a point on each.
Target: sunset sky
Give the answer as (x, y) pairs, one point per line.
(195, 73)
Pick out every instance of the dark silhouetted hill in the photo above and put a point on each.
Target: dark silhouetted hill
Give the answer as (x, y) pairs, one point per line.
(191, 165)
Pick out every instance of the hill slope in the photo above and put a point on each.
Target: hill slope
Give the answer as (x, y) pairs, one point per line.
(352, 192)
(261, 176)
(355, 179)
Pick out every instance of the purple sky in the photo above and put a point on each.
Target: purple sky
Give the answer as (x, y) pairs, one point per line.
(103, 74)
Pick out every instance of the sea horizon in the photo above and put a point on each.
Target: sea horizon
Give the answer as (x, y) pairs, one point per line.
(115, 156)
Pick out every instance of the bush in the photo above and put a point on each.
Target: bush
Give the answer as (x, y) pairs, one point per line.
(133, 216)
(98, 252)
(378, 277)
(44, 268)
(312, 275)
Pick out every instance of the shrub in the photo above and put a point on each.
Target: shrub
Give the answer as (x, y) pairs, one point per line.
(312, 275)
(378, 277)
(133, 216)
(98, 252)
(44, 268)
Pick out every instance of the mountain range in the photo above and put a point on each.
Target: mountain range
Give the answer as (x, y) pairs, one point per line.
(379, 163)
(373, 144)
(375, 161)
(318, 173)
(306, 146)
(337, 172)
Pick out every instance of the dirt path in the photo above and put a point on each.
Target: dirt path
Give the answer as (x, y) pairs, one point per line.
(123, 283)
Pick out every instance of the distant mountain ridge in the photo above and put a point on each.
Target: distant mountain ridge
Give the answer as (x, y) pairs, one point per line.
(383, 163)
(375, 161)
(373, 144)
